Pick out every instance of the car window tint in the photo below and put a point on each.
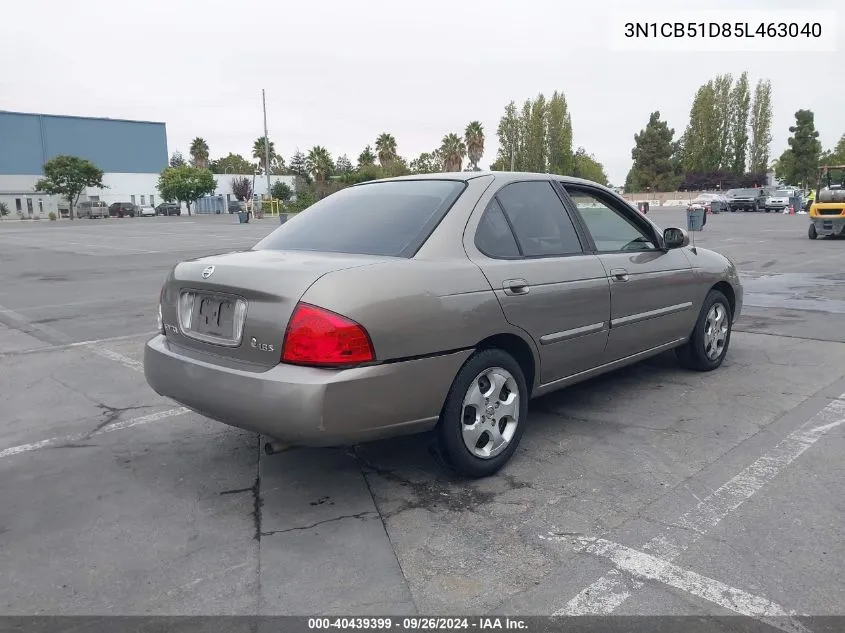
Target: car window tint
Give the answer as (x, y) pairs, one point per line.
(540, 221)
(608, 226)
(494, 237)
(391, 218)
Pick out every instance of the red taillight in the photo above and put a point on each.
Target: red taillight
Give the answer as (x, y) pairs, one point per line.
(319, 337)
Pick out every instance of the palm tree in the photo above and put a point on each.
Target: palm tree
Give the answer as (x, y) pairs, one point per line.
(474, 139)
(386, 148)
(366, 157)
(259, 152)
(319, 162)
(453, 150)
(199, 152)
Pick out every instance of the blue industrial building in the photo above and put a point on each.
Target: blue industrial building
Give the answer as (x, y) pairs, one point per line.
(27, 141)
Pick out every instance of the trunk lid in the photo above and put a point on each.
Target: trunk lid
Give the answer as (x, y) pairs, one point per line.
(237, 305)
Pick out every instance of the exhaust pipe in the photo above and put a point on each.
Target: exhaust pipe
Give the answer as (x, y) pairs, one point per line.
(271, 448)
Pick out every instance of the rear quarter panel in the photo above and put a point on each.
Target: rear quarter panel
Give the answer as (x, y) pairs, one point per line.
(415, 307)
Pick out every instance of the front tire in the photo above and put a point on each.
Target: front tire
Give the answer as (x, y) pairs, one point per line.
(709, 341)
(484, 415)
(811, 232)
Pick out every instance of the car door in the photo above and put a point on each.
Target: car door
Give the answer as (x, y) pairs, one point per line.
(530, 250)
(652, 289)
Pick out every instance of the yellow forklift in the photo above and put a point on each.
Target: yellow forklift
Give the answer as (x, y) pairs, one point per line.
(827, 210)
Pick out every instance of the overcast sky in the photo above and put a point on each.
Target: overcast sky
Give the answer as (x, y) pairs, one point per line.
(338, 73)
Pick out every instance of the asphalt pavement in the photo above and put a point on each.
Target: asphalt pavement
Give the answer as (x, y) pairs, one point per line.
(650, 491)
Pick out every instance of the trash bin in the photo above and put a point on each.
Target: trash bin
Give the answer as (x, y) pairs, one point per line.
(716, 207)
(243, 217)
(643, 207)
(695, 219)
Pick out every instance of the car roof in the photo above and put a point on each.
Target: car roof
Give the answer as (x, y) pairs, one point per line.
(501, 176)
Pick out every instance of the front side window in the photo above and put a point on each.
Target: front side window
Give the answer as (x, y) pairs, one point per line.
(539, 219)
(391, 219)
(609, 227)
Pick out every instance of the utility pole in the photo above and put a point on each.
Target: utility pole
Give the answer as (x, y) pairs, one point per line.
(266, 144)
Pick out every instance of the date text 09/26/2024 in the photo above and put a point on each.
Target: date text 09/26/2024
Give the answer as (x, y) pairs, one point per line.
(722, 30)
(419, 624)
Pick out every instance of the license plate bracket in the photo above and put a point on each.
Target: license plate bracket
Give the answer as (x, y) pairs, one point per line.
(214, 316)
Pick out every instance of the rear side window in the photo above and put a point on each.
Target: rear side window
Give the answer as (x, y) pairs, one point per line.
(382, 218)
(539, 219)
(494, 237)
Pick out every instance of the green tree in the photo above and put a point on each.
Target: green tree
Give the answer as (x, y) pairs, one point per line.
(586, 166)
(474, 141)
(319, 163)
(453, 151)
(277, 165)
(366, 157)
(535, 140)
(4, 210)
(723, 115)
(232, 164)
(281, 191)
(69, 176)
(427, 163)
(785, 166)
(702, 137)
(559, 136)
(761, 128)
(199, 153)
(741, 104)
(299, 166)
(653, 155)
(343, 165)
(386, 148)
(259, 152)
(805, 147)
(176, 159)
(185, 184)
(835, 156)
(508, 133)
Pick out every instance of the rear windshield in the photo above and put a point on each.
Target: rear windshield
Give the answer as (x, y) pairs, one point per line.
(382, 218)
(744, 193)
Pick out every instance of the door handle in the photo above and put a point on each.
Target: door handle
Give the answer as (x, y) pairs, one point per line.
(619, 274)
(515, 287)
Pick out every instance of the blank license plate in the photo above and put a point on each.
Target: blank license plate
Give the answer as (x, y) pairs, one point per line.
(215, 316)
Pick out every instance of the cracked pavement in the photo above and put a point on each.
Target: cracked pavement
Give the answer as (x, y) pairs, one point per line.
(174, 514)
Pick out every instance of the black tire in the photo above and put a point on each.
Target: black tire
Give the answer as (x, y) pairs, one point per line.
(448, 435)
(692, 354)
(811, 232)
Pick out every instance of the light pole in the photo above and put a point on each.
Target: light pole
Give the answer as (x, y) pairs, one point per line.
(266, 143)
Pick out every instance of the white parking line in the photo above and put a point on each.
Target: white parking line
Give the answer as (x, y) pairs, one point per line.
(76, 437)
(648, 567)
(131, 363)
(609, 592)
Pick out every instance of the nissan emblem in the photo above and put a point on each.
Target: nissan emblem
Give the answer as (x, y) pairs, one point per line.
(208, 272)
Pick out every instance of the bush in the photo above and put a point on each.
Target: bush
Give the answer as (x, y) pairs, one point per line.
(4, 210)
(52, 216)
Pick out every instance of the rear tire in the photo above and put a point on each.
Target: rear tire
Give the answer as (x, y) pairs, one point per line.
(811, 232)
(493, 426)
(708, 344)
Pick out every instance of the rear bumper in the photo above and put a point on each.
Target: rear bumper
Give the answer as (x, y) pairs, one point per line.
(302, 405)
(829, 225)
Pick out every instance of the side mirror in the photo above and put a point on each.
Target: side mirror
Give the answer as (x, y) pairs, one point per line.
(675, 238)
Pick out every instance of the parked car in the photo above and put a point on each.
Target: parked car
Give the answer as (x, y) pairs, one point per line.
(146, 211)
(778, 199)
(705, 201)
(746, 200)
(438, 302)
(92, 209)
(122, 209)
(168, 208)
(237, 206)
